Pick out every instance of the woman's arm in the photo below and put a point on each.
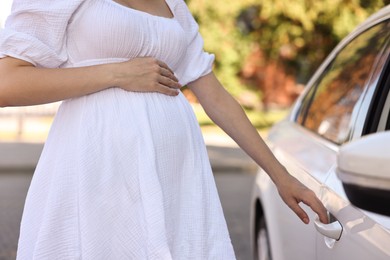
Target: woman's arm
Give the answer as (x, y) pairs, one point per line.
(225, 111)
(24, 84)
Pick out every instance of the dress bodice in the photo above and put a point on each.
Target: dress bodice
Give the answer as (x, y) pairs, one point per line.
(73, 33)
(120, 32)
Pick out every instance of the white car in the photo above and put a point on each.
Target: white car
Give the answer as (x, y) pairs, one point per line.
(335, 141)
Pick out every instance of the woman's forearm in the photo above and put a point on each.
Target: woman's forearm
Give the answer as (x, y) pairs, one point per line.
(228, 114)
(225, 111)
(23, 84)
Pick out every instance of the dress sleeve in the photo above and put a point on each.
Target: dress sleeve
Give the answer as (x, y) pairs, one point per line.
(36, 31)
(196, 62)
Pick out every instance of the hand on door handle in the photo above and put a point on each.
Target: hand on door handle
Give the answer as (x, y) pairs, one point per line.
(332, 230)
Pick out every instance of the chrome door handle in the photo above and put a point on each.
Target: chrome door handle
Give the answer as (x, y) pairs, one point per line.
(332, 230)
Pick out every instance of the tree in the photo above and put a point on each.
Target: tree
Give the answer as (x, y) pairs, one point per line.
(275, 43)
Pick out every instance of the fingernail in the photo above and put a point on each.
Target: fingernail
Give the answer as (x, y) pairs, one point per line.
(306, 220)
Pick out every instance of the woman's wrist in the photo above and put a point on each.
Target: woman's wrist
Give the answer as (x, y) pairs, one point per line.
(110, 75)
(278, 174)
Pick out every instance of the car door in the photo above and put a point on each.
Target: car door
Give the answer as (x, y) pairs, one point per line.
(308, 143)
(325, 117)
(296, 148)
(364, 66)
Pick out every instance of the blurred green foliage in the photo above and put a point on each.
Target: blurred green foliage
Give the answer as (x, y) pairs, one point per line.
(259, 119)
(217, 21)
(300, 33)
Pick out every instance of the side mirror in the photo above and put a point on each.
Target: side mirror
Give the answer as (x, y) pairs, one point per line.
(364, 168)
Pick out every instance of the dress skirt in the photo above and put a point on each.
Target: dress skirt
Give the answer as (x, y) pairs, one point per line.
(124, 175)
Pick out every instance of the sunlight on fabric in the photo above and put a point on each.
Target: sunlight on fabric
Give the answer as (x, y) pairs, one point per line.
(5, 8)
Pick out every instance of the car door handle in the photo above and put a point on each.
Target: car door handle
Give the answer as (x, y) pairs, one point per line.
(332, 230)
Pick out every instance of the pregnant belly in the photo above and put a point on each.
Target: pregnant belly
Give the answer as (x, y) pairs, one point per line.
(116, 116)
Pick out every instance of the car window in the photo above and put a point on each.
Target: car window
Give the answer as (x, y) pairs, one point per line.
(388, 123)
(384, 123)
(329, 105)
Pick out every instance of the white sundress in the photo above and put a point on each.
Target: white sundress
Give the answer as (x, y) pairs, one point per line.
(123, 175)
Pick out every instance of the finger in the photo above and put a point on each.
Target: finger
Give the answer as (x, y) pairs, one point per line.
(316, 205)
(167, 73)
(299, 212)
(164, 65)
(166, 90)
(169, 82)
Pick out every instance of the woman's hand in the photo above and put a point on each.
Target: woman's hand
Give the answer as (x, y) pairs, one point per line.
(23, 84)
(293, 192)
(146, 75)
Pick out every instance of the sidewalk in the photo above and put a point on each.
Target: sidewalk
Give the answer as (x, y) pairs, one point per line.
(223, 152)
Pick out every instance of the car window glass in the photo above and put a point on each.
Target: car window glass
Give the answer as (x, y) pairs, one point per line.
(384, 119)
(328, 108)
(388, 123)
(384, 124)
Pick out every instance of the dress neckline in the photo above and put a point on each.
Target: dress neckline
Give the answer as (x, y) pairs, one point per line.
(127, 8)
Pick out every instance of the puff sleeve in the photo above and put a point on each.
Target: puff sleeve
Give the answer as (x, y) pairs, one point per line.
(36, 31)
(196, 63)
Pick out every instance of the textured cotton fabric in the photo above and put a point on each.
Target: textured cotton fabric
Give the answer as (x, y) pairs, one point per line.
(123, 175)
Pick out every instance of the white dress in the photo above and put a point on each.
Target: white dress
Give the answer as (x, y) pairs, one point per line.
(123, 175)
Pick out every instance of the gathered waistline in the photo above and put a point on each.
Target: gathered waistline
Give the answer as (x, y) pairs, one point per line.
(91, 62)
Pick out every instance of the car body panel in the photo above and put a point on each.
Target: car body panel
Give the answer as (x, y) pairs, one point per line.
(362, 237)
(304, 148)
(288, 139)
(278, 216)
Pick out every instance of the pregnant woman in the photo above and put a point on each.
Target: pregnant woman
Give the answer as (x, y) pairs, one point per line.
(124, 173)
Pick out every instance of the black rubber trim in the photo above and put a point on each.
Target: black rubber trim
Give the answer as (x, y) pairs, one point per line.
(374, 200)
(388, 122)
(378, 101)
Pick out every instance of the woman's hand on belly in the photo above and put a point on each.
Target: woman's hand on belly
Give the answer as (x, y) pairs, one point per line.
(145, 74)
(24, 84)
